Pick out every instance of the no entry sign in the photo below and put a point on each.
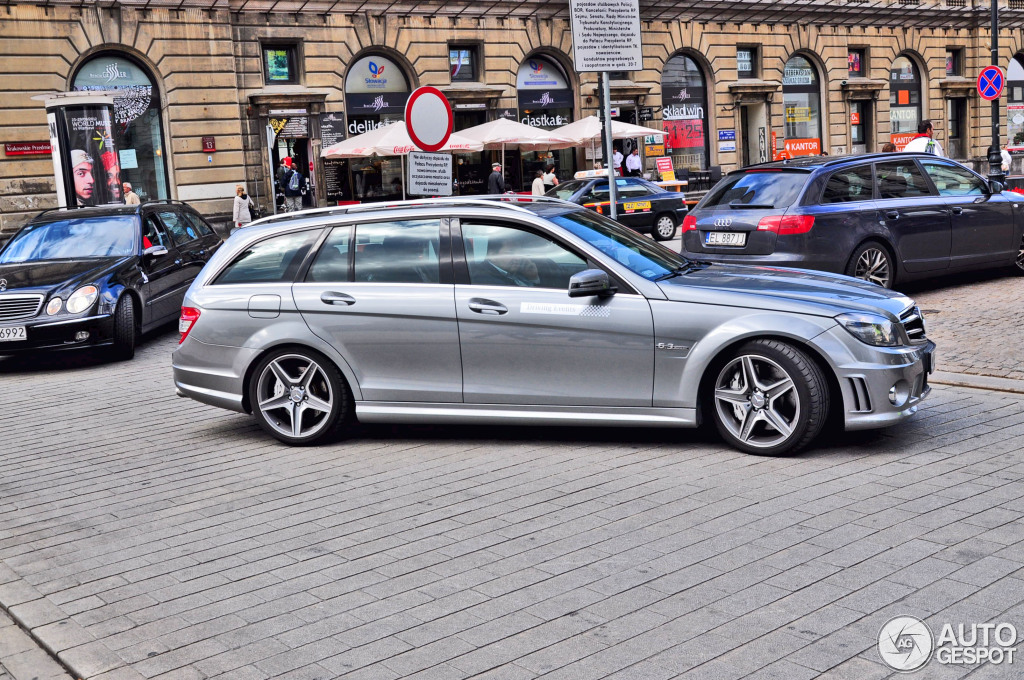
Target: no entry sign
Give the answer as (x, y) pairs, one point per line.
(428, 118)
(990, 82)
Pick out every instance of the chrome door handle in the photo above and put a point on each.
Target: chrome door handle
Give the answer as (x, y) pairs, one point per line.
(332, 298)
(957, 210)
(481, 306)
(892, 214)
(178, 261)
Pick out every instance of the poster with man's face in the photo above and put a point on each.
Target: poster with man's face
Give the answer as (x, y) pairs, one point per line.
(95, 169)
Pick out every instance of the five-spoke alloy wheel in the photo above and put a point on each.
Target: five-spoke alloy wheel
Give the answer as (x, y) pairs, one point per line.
(299, 396)
(769, 398)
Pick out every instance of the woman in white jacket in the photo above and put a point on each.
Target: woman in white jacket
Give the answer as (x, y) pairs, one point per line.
(242, 214)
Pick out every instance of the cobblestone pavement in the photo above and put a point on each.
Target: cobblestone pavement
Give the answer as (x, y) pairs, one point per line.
(146, 536)
(977, 321)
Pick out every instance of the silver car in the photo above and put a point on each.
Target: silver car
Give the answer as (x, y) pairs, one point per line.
(534, 311)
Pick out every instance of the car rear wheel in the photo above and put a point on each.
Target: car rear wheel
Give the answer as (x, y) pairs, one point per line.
(769, 398)
(872, 262)
(1020, 257)
(299, 396)
(664, 228)
(125, 330)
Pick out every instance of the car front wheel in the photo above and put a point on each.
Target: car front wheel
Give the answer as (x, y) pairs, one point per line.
(299, 396)
(125, 330)
(664, 228)
(769, 398)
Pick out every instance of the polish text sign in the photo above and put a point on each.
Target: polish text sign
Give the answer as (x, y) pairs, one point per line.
(606, 35)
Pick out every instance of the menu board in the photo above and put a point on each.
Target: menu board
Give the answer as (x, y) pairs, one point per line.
(332, 128)
(335, 179)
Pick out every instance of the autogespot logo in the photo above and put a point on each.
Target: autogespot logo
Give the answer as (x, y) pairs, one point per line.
(905, 643)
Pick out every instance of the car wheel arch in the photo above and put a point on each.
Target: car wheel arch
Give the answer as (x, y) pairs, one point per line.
(711, 368)
(884, 241)
(338, 362)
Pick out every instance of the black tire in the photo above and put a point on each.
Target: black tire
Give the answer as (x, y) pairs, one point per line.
(660, 230)
(869, 260)
(1019, 262)
(326, 386)
(126, 331)
(803, 408)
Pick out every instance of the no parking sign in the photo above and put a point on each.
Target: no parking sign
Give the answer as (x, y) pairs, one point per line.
(990, 82)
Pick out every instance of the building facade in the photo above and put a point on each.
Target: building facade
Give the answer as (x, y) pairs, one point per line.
(215, 94)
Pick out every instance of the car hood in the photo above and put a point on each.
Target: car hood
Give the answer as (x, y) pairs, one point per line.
(49, 274)
(779, 289)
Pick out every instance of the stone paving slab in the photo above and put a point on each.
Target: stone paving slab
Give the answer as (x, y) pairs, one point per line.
(146, 536)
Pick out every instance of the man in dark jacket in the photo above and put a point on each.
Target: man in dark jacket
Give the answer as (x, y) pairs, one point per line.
(294, 182)
(496, 181)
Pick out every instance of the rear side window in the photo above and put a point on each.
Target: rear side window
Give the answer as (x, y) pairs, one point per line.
(758, 189)
(846, 186)
(331, 263)
(181, 231)
(199, 224)
(900, 179)
(405, 251)
(272, 260)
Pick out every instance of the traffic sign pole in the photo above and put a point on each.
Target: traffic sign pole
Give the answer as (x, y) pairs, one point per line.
(995, 158)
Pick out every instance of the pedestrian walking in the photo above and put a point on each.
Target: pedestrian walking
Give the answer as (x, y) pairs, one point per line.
(550, 178)
(925, 141)
(617, 161)
(293, 186)
(539, 187)
(633, 163)
(243, 208)
(282, 172)
(1007, 160)
(130, 197)
(496, 180)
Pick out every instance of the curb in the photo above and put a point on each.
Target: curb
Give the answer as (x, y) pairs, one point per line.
(72, 647)
(981, 382)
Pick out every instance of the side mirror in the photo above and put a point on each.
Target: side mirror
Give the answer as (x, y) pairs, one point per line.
(996, 187)
(154, 251)
(591, 282)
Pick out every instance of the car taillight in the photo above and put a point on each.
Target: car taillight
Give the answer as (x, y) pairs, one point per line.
(189, 316)
(786, 224)
(689, 222)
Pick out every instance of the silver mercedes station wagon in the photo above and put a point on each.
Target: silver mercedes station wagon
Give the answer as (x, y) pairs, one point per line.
(534, 311)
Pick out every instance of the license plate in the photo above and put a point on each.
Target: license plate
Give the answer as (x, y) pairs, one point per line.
(725, 238)
(12, 333)
(636, 205)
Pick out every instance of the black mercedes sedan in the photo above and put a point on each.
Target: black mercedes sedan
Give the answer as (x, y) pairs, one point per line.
(99, 277)
(642, 205)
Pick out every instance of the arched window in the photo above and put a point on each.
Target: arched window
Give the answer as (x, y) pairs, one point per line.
(1015, 103)
(684, 113)
(546, 101)
(801, 97)
(138, 130)
(376, 90)
(904, 101)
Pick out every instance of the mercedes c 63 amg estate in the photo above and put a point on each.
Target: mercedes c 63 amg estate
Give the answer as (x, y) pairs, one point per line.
(534, 311)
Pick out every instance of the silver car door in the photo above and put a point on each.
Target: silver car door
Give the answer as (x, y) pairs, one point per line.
(525, 341)
(384, 299)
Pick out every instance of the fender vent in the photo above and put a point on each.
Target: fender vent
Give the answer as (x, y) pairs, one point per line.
(861, 400)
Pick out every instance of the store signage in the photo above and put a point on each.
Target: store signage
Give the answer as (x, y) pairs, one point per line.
(606, 35)
(374, 74)
(129, 159)
(798, 76)
(369, 104)
(288, 112)
(332, 128)
(430, 174)
(209, 144)
(727, 135)
(27, 149)
(854, 118)
(296, 127)
(901, 139)
(508, 114)
(727, 146)
(614, 112)
(646, 113)
(470, 106)
(803, 147)
(665, 169)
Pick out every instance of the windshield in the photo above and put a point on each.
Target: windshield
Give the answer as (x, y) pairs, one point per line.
(565, 190)
(71, 239)
(637, 253)
(762, 189)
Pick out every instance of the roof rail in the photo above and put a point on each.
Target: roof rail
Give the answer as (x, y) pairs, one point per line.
(507, 201)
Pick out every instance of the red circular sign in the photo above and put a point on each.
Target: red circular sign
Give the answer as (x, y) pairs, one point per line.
(991, 81)
(428, 118)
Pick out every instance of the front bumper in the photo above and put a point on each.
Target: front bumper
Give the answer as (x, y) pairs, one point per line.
(60, 334)
(881, 386)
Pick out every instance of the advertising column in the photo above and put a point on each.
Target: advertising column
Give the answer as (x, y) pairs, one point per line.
(86, 167)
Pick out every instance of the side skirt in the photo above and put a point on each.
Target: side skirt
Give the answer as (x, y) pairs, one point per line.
(520, 414)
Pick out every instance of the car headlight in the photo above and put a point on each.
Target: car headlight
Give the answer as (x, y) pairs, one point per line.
(54, 305)
(872, 329)
(82, 299)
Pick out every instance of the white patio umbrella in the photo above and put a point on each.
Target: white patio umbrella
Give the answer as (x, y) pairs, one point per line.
(503, 132)
(391, 140)
(590, 130)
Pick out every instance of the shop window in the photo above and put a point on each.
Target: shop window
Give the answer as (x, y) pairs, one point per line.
(954, 62)
(857, 63)
(280, 64)
(463, 62)
(1014, 94)
(904, 101)
(684, 121)
(801, 96)
(746, 62)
